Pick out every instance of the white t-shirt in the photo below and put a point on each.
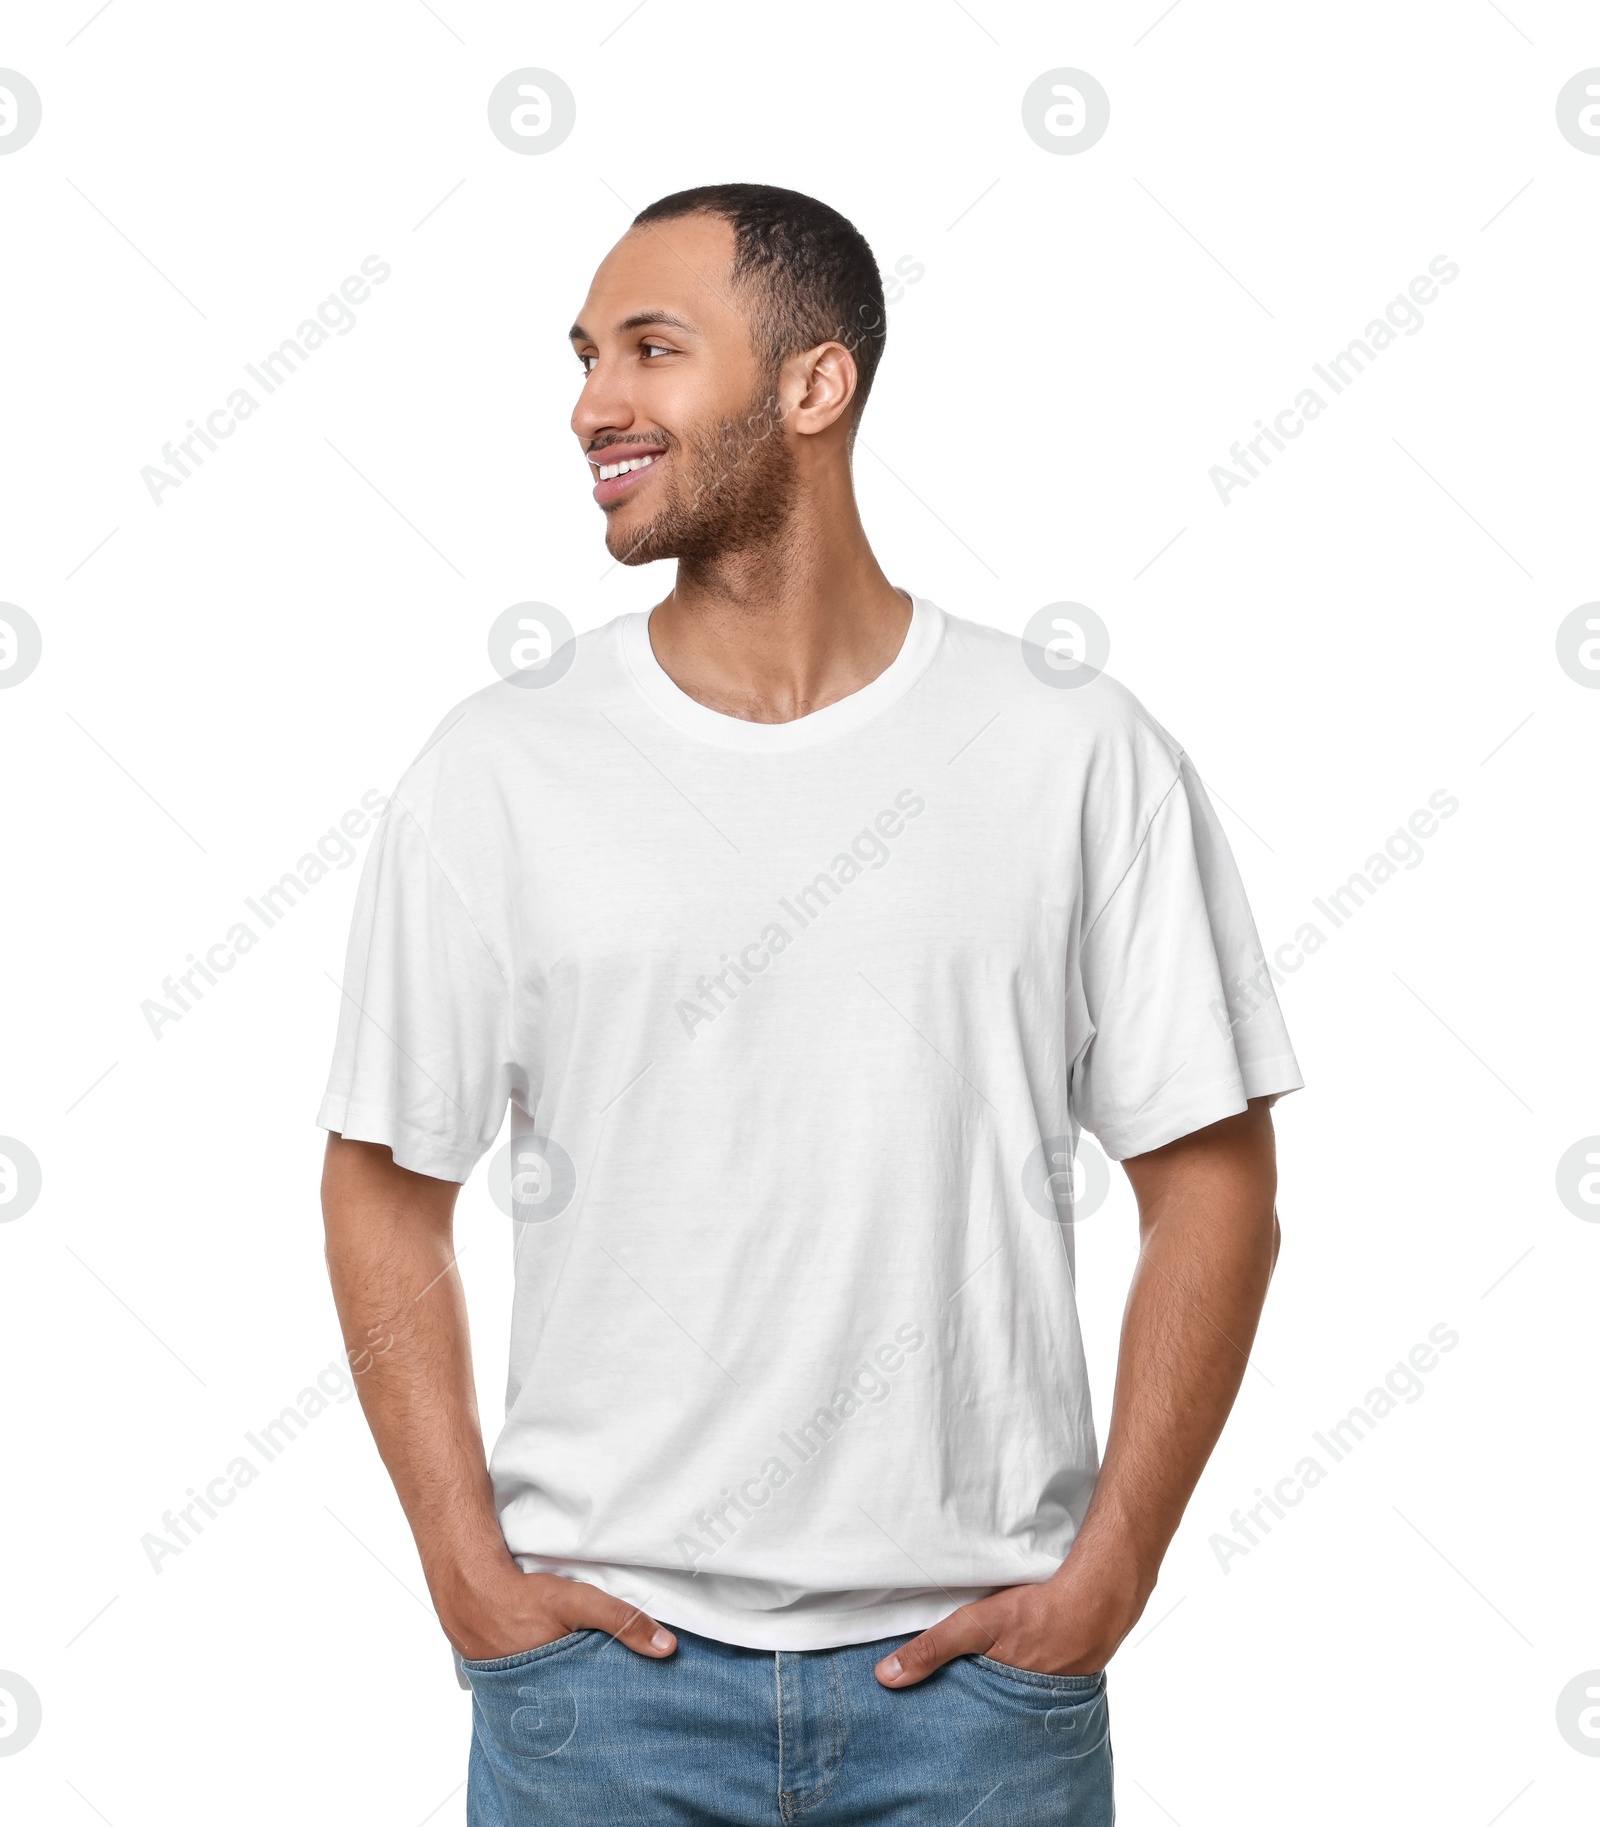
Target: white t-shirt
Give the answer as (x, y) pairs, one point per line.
(798, 1023)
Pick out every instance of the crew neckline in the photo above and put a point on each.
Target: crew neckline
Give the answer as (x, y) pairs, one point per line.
(837, 719)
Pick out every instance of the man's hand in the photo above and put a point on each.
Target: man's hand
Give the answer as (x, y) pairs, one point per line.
(508, 1611)
(1208, 1239)
(1070, 1625)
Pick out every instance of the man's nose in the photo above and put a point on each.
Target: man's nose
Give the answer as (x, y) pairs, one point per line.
(604, 404)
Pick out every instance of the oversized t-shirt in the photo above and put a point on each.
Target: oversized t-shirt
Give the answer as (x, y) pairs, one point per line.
(798, 1024)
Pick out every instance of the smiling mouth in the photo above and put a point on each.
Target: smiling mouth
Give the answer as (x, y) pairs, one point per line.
(608, 470)
(618, 478)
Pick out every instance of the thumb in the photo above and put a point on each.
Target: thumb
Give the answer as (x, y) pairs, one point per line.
(963, 1633)
(589, 1608)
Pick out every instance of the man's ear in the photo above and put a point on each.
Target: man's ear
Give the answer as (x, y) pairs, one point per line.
(827, 376)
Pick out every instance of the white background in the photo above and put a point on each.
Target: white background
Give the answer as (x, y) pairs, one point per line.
(1372, 619)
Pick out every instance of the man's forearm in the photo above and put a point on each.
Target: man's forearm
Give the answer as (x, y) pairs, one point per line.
(392, 1263)
(1208, 1240)
(403, 1314)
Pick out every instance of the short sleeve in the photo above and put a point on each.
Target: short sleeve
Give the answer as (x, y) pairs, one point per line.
(422, 1058)
(1186, 1026)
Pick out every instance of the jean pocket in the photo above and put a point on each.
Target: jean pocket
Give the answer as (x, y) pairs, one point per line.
(1063, 1717)
(1070, 1687)
(544, 1652)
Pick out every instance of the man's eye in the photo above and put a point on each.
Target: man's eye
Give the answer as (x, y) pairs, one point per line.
(587, 362)
(655, 349)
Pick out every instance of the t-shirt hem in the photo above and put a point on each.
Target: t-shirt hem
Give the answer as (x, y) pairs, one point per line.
(822, 1630)
(1275, 1076)
(754, 1630)
(1271, 1077)
(411, 1147)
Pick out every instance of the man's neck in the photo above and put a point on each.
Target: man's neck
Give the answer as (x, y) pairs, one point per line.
(776, 632)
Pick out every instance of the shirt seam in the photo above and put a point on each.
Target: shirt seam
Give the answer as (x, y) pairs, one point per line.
(466, 913)
(1138, 850)
(460, 899)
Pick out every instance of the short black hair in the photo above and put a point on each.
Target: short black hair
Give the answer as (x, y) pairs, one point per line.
(810, 271)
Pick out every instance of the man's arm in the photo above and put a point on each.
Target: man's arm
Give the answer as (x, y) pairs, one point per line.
(392, 1264)
(1208, 1241)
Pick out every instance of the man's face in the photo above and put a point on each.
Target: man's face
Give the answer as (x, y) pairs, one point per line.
(675, 387)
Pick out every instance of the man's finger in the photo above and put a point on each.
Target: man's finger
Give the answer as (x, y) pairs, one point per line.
(963, 1633)
(591, 1609)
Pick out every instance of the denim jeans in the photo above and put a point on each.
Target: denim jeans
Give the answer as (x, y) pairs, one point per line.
(584, 1733)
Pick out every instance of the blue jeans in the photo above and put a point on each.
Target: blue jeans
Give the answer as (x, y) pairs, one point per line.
(584, 1733)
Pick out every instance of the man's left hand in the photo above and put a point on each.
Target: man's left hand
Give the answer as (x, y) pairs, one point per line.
(1069, 1625)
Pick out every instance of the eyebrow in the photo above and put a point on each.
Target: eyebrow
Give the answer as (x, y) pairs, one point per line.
(640, 320)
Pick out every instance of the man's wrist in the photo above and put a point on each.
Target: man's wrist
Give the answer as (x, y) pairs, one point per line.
(463, 1579)
(1120, 1550)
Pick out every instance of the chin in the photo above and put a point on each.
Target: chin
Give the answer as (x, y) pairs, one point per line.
(631, 544)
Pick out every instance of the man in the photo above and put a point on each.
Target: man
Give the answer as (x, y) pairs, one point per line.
(801, 925)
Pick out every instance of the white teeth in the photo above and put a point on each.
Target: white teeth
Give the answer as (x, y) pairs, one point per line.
(608, 470)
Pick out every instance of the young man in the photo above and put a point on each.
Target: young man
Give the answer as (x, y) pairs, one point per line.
(802, 926)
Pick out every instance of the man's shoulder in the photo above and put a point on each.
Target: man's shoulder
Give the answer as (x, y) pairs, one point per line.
(540, 711)
(1055, 696)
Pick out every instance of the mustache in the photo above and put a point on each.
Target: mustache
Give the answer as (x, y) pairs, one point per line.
(664, 439)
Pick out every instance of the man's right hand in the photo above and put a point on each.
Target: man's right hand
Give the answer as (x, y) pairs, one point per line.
(505, 1613)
